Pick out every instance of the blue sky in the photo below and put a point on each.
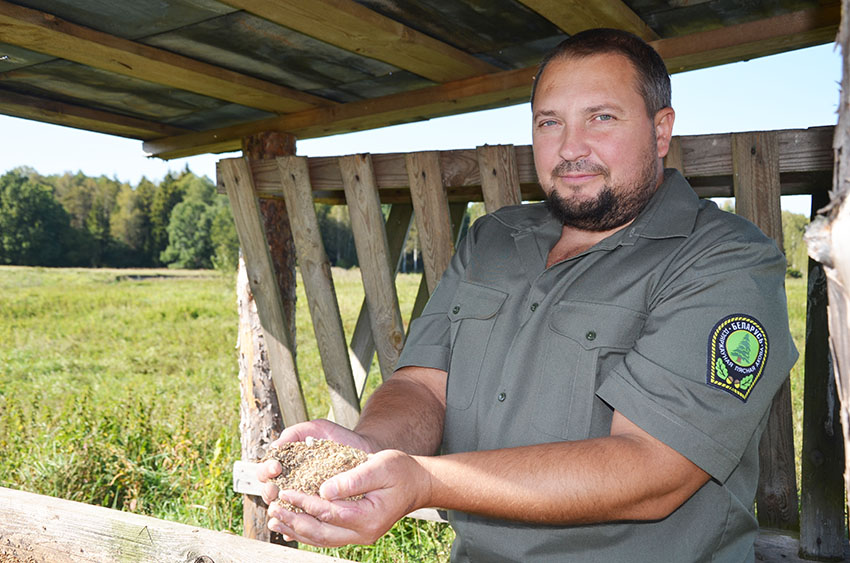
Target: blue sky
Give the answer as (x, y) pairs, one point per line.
(793, 90)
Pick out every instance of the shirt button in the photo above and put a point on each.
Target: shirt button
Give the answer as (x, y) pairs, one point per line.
(591, 335)
(456, 309)
(534, 307)
(502, 397)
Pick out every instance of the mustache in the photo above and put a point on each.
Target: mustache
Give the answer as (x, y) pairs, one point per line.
(567, 166)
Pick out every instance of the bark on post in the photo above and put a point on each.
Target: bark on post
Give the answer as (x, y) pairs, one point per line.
(261, 419)
(827, 238)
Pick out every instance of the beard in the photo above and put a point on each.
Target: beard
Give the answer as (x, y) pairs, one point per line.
(614, 206)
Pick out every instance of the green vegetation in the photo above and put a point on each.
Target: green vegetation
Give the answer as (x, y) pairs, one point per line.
(119, 388)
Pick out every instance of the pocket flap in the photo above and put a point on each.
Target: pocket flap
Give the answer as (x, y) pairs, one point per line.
(475, 302)
(597, 325)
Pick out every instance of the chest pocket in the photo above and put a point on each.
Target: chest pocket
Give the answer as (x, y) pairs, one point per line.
(584, 340)
(472, 314)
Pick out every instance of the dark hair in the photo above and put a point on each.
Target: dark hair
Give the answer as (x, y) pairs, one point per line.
(653, 80)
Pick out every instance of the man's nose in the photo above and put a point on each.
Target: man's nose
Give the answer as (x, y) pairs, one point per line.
(574, 145)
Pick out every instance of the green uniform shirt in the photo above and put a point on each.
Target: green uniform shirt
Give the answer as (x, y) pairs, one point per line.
(678, 321)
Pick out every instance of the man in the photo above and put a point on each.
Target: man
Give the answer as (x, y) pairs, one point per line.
(596, 371)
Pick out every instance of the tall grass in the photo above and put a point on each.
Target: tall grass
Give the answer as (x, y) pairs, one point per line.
(119, 388)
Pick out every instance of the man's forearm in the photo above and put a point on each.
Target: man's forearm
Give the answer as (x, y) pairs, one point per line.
(407, 412)
(621, 477)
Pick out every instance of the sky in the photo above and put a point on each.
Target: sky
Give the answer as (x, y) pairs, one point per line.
(793, 90)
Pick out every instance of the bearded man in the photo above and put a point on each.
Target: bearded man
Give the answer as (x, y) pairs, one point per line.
(591, 377)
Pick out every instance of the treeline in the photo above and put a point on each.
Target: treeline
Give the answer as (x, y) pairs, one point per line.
(181, 222)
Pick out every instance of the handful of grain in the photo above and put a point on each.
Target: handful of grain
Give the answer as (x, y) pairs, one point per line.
(306, 465)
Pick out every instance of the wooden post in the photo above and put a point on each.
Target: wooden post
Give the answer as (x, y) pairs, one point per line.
(755, 169)
(827, 238)
(822, 487)
(499, 176)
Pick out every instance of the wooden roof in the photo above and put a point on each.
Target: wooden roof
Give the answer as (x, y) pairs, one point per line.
(196, 76)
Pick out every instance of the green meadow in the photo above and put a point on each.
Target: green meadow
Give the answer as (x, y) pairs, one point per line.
(120, 388)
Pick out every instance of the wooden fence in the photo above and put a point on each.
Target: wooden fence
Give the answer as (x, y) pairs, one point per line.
(433, 188)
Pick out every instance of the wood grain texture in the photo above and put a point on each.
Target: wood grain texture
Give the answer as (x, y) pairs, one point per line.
(573, 16)
(755, 165)
(499, 176)
(376, 268)
(236, 176)
(42, 528)
(431, 211)
(319, 288)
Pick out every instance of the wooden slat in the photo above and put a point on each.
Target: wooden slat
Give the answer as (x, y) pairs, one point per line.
(431, 210)
(822, 456)
(51, 530)
(355, 28)
(769, 36)
(370, 238)
(675, 158)
(318, 286)
(755, 164)
(573, 16)
(362, 340)
(236, 176)
(69, 115)
(706, 161)
(48, 34)
(499, 176)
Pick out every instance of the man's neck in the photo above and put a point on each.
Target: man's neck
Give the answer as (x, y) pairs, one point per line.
(575, 241)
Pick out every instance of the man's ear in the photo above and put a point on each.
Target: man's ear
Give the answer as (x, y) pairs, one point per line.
(664, 130)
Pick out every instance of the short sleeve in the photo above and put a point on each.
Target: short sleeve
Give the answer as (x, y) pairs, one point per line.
(714, 350)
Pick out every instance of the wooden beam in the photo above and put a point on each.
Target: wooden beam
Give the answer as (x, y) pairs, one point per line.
(572, 16)
(45, 33)
(745, 41)
(69, 115)
(236, 177)
(319, 288)
(698, 50)
(480, 92)
(355, 28)
(370, 238)
(499, 176)
(41, 528)
(706, 161)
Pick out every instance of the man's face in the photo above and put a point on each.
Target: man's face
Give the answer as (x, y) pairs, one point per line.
(596, 150)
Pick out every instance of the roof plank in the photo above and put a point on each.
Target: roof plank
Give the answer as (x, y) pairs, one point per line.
(70, 115)
(45, 33)
(573, 16)
(353, 27)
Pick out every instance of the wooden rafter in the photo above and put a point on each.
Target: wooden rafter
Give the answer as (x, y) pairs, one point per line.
(45, 33)
(355, 28)
(796, 30)
(573, 16)
(69, 115)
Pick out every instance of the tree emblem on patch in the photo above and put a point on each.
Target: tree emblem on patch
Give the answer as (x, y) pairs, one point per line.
(737, 352)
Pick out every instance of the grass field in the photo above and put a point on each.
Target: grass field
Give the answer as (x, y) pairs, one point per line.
(119, 388)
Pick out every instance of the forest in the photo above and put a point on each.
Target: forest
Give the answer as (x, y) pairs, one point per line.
(181, 222)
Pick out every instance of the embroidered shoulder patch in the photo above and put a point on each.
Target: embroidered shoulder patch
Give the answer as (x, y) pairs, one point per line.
(737, 352)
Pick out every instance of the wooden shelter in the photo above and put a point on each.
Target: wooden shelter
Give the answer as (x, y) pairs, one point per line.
(196, 76)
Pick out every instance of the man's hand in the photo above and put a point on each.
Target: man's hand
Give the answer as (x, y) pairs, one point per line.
(393, 483)
(320, 429)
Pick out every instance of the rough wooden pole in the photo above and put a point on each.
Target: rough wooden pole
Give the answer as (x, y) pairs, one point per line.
(827, 239)
(821, 486)
(755, 166)
(261, 420)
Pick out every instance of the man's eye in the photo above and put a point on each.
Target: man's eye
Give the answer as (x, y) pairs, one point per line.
(604, 117)
(547, 123)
